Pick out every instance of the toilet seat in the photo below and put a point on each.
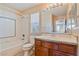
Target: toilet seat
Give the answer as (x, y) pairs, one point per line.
(27, 46)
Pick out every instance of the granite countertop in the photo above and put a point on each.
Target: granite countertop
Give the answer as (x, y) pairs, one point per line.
(68, 39)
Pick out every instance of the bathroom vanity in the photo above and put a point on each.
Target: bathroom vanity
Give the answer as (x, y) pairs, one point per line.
(55, 46)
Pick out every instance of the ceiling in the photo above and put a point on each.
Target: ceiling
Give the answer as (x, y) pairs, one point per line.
(21, 6)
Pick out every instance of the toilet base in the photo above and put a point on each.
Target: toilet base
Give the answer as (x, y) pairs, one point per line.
(28, 53)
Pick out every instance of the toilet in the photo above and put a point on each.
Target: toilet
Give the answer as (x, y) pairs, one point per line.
(27, 48)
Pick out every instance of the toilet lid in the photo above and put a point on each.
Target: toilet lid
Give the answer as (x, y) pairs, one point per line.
(28, 45)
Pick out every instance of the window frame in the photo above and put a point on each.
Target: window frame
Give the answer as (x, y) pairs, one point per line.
(37, 33)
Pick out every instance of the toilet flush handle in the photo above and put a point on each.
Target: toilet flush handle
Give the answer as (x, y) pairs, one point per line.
(23, 36)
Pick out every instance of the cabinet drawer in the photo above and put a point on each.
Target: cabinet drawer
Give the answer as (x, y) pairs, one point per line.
(50, 45)
(59, 53)
(38, 42)
(68, 48)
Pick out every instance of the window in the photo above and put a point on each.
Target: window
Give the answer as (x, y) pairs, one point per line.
(71, 23)
(48, 24)
(35, 23)
(60, 25)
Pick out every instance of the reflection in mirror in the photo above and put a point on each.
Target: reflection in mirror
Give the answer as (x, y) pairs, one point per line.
(60, 25)
(60, 19)
(71, 19)
(75, 30)
(71, 23)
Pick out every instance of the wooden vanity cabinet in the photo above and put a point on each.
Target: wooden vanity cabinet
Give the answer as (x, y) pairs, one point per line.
(46, 48)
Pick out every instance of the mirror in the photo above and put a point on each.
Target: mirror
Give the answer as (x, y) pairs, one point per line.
(62, 18)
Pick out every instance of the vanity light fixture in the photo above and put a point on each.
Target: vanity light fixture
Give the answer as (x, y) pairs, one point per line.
(53, 5)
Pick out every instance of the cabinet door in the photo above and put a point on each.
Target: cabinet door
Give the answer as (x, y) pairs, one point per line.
(41, 51)
(71, 49)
